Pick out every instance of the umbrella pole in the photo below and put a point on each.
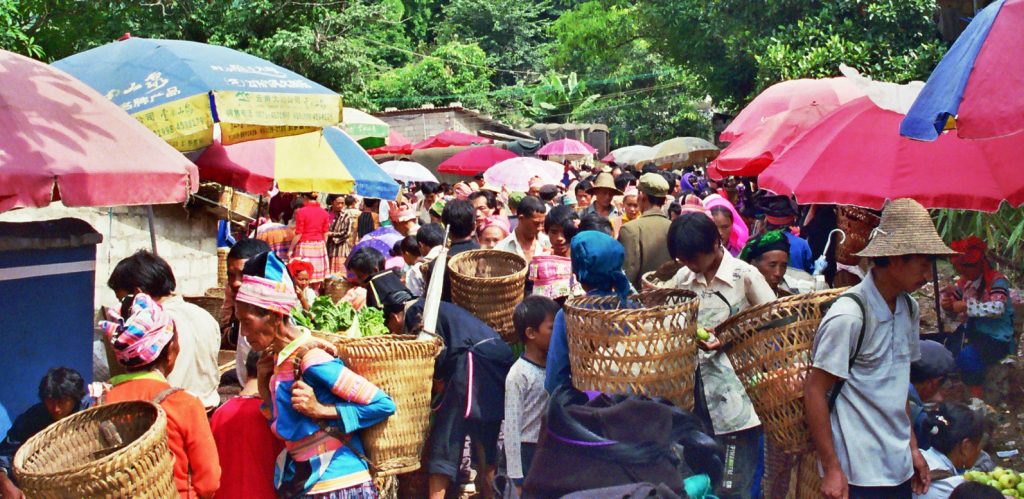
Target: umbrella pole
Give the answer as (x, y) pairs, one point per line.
(152, 227)
(938, 303)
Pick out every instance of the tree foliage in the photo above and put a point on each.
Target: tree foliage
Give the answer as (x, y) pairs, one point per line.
(454, 70)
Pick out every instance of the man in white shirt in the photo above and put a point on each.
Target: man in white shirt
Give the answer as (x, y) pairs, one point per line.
(856, 392)
(528, 238)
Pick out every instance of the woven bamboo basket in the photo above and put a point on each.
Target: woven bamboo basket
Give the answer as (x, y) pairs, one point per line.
(489, 284)
(644, 346)
(211, 304)
(403, 367)
(76, 456)
(857, 223)
(222, 267)
(771, 354)
(808, 480)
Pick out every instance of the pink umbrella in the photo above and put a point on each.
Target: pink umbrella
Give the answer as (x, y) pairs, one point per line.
(474, 160)
(566, 147)
(829, 93)
(515, 174)
(63, 140)
(397, 144)
(856, 156)
(752, 152)
(449, 138)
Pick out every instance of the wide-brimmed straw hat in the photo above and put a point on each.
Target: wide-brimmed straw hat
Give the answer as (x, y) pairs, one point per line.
(905, 229)
(604, 181)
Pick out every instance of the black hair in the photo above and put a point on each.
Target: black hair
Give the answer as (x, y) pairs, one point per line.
(460, 218)
(529, 206)
(976, 490)
(532, 312)
(623, 180)
(350, 200)
(430, 187)
(371, 203)
(674, 209)
(492, 200)
(593, 221)
(145, 271)
(308, 195)
(365, 260)
(247, 248)
(62, 383)
(396, 249)
(331, 198)
(430, 235)
(692, 234)
(251, 361)
(656, 200)
(548, 193)
(951, 424)
(564, 217)
(649, 168)
(410, 245)
(584, 185)
(722, 210)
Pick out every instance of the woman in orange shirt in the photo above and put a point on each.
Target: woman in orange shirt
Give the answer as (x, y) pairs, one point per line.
(146, 344)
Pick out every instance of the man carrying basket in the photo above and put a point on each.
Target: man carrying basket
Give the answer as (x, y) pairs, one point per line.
(856, 392)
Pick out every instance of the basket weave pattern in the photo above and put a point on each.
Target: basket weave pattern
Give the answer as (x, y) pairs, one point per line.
(211, 304)
(857, 223)
(771, 353)
(489, 284)
(645, 346)
(403, 367)
(66, 460)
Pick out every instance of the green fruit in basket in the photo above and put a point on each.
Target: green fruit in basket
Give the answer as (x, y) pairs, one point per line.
(703, 334)
(1020, 488)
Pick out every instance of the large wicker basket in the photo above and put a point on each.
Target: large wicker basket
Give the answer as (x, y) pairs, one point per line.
(76, 458)
(646, 345)
(489, 284)
(212, 304)
(771, 354)
(857, 223)
(403, 367)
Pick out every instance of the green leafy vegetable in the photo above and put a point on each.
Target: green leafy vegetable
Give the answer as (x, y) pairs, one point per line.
(302, 318)
(371, 322)
(331, 317)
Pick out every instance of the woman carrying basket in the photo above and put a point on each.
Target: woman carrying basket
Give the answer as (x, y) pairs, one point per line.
(323, 456)
(725, 286)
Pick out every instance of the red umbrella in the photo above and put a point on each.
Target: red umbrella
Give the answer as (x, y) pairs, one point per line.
(856, 156)
(63, 140)
(829, 93)
(566, 147)
(449, 138)
(474, 160)
(397, 144)
(752, 152)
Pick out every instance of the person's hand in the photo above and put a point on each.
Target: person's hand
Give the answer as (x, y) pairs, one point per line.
(959, 306)
(834, 485)
(947, 302)
(7, 488)
(711, 344)
(304, 400)
(922, 478)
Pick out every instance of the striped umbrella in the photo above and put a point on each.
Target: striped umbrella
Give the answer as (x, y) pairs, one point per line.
(370, 131)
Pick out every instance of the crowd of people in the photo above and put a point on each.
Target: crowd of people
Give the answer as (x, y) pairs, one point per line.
(294, 429)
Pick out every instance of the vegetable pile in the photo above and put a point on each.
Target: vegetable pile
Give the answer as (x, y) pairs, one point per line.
(371, 322)
(325, 315)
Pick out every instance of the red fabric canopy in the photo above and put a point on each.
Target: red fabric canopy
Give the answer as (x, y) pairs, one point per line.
(829, 93)
(752, 152)
(397, 145)
(449, 138)
(856, 156)
(474, 160)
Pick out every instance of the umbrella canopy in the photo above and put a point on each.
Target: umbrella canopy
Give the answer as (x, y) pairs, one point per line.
(408, 171)
(382, 239)
(325, 161)
(629, 155)
(63, 140)
(978, 82)
(829, 93)
(753, 151)
(683, 151)
(369, 131)
(449, 138)
(474, 160)
(178, 89)
(515, 174)
(567, 147)
(854, 156)
(397, 145)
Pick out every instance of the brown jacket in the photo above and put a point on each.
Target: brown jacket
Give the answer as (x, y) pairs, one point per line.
(646, 243)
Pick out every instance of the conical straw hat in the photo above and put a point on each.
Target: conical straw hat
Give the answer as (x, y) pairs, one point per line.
(905, 229)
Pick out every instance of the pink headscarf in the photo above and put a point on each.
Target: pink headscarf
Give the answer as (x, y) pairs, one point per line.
(138, 339)
(499, 221)
(740, 232)
(463, 190)
(693, 204)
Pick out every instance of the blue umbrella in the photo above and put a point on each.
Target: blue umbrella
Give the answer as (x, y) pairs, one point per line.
(178, 89)
(371, 180)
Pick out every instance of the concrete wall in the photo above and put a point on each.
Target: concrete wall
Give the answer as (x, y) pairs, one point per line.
(417, 127)
(187, 241)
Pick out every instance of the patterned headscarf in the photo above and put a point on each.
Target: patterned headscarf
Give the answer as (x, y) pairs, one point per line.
(273, 291)
(774, 240)
(138, 339)
(597, 262)
(972, 250)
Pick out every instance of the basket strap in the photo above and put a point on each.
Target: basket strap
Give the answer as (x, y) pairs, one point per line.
(860, 341)
(162, 396)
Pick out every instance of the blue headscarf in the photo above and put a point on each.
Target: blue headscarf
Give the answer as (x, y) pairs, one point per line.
(597, 262)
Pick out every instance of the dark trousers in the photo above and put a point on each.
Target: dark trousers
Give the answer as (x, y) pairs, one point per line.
(902, 491)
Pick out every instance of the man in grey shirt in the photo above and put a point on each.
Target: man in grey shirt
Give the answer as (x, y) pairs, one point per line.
(863, 350)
